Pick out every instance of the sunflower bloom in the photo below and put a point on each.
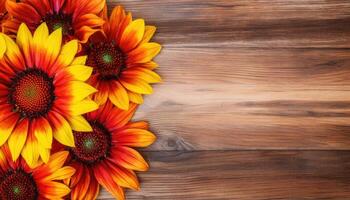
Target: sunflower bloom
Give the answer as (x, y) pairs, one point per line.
(42, 92)
(105, 157)
(78, 18)
(19, 181)
(122, 60)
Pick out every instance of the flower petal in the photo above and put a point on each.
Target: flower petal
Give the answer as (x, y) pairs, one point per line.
(134, 137)
(18, 138)
(6, 127)
(129, 158)
(118, 95)
(79, 123)
(62, 131)
(132, 35)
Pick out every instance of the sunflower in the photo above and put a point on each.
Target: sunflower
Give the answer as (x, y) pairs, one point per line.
(104, 157)
(78, 18)
(42, 93)
(122, 59)
(18, 181)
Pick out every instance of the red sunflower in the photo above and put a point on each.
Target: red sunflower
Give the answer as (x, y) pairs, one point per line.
(122, 60)
(105, 157)
(78, 18)
(19, 182)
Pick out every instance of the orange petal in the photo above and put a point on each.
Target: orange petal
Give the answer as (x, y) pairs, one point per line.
(123, 177)
(132, 35)
(82, 186)
(134, 137)
(135, 98)
(117, 118)
(104, 177)
(129, 158)
(21, 11)
(142, 73)
(144, 53)
(149, 32)
(93, 190)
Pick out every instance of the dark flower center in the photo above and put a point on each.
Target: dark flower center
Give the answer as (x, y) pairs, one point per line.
(56, 21)
(31, 93)
(107, 60)
(92, 147)
(18, 185)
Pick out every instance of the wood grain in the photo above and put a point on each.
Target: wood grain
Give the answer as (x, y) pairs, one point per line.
(226, 175)
(255, 102)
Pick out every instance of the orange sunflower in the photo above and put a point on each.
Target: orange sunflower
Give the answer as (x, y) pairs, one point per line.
(42, 92)
(122, 59)
(18, 181)
(104, 157)
(78, 18)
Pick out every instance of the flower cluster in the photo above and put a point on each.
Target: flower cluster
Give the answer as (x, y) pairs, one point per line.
(71, 79)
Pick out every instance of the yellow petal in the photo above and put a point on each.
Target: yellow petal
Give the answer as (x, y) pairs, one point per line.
(14, 54)
(83, 107)
(40, 35)
(136, 98)
(57, 160)
(2, 46)
(80, 72)
(44, 153)
(24, 39)
(43, 132)
(63, 132)
(68, 52)
(53, 48)
(30, 151)
(79, 123)
(132, 35)
(80, 60)
(6, 127)
(62, 173)
(18, 139)
(149, 32)
(81, 90)
(119, 96)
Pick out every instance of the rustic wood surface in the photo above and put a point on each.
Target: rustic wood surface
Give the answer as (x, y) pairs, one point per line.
(255, 102)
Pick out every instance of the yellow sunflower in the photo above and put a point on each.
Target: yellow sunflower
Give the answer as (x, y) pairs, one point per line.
(122, 59)
(42, 92)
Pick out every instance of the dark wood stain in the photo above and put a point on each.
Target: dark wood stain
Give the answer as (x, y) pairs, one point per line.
(255, 102)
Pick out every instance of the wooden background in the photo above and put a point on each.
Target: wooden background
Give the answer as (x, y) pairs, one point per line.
(255, 102)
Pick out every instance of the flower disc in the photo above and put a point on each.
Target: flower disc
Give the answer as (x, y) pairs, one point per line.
(92, 147)
(107, 59)
(32, 93)
(18, 185)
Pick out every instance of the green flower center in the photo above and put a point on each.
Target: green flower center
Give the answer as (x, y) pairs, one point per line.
(107, 60)
(18, 185)
(92, 147)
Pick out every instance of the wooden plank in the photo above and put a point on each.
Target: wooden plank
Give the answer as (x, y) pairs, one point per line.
(221, 99)
(241, 23)
(245, 175)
